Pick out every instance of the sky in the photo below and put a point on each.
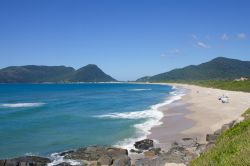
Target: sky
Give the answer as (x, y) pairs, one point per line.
(127, 39)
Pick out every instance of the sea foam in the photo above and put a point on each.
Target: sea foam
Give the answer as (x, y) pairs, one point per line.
(21, 105)
(139, 89)
(57, 159)
(153, 118)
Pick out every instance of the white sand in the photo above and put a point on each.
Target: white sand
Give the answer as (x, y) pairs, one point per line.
(208, 113)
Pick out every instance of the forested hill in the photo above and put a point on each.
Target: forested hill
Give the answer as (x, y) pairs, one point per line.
(217, 69)
(41, 74)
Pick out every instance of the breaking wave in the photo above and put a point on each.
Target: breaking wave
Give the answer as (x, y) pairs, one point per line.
(153, 118)
(21, 105)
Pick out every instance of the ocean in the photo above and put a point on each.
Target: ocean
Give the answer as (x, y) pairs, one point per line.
(41, 119)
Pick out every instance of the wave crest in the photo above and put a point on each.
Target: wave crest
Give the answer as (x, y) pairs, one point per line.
(139, 89)
(153, 118)
(22, 105)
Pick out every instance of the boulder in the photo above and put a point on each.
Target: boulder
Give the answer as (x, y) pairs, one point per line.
(97, 155)
(105, 160)
(64, 164)
(25, 161)
(144, 144)
(186, 142)
(211, 137)
(122, 161)
(136, 151)
(2, 162)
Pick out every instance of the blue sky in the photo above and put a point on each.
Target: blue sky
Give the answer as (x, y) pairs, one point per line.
(126, 38)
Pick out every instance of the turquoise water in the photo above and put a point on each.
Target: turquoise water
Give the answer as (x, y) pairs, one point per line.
(40, 119)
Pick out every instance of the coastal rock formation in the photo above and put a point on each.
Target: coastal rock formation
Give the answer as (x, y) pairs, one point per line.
(144, 144)
(211, 138)
(181, 151)
(25, 161)
(96, 155)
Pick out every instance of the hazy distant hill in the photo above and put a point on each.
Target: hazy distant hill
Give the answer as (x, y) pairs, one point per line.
(39, 74)
(218, 68)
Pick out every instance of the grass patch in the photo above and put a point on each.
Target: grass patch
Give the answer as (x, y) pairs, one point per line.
(232, 147)
(232, 85)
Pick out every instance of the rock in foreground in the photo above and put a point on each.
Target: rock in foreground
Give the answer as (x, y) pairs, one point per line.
(25, 161)
(144, 144)
(96, 155)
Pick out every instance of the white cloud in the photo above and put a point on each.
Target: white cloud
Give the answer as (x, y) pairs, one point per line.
(241, 36)
(224, 37)
(170, 53)
(202, 45)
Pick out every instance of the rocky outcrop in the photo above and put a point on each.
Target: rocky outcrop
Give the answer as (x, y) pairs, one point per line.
(182, 151)
(144, 144)
(25, 161)
(97, 155)
(211, 138)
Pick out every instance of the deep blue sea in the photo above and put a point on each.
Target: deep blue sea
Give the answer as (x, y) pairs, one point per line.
(41, 119)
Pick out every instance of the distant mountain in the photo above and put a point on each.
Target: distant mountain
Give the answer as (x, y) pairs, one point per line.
(91, 73)
(40, 74)
(216, 69)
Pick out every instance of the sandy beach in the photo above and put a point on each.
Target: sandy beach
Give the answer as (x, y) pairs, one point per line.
(198, 113)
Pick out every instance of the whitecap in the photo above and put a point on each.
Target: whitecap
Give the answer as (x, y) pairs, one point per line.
(21, 105)
(153, 118)
(57, 159)
(139, 89)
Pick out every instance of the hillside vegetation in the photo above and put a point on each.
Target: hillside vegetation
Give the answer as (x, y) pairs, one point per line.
(232, 147)
(217, 69)
(232, 85)
(40, 74)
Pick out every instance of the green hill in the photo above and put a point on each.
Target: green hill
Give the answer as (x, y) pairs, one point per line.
(40, 74)
(216, 69)
(91, 73)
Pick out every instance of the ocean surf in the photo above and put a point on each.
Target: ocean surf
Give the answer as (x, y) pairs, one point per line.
(57, 117)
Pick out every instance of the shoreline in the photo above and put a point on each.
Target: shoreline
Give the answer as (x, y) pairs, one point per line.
(197, 113)
(192, 115)
(154, 120)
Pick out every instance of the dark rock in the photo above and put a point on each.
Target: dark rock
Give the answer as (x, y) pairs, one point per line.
(66, 152)
(105, 160)
(63, 164)
(122, 161)
(136, 151)
(25, 161)
(2, 162)
(186, 142)
(144, 144)
(97, 155)
(211, 137)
